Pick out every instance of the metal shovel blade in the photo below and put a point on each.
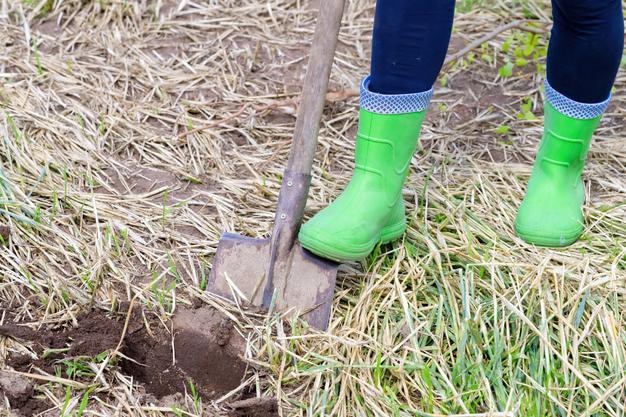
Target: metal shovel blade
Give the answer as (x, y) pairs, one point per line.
(303, 284)
(278, 272)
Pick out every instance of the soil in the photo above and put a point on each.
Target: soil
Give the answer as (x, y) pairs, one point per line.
(5, 233)
(162, 187)
(200, 346)
(254, 407)
(133, 178)
(94, 334)
(203, 351)
(19, 391)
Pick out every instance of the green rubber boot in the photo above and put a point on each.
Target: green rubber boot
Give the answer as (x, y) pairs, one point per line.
(551, 213)
(371, 209)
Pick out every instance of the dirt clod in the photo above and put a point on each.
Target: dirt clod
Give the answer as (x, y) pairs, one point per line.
(17, 388)
(254, 407)
(206, 352)
(5, 233)
(95, 335)
(224, 332)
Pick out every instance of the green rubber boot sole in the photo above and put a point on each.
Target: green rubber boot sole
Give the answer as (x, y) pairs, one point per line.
(370, 210)
(551, 213)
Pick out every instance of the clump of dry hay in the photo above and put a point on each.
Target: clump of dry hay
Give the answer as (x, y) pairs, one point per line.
(134, 133)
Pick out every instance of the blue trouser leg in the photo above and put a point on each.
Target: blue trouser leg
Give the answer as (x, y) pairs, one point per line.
(409, 44)
(411, 39)
(585, 48)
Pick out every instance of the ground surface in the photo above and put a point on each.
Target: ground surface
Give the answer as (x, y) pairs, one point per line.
(134, 133)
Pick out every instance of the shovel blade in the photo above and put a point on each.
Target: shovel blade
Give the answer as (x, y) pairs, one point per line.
(303, 285)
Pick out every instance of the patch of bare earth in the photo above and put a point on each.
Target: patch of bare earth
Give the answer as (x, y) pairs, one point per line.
(197, 350)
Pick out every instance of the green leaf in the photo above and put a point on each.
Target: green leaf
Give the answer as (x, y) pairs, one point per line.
(520, 62)
(502, 130)
(506, 70)
(506, 46)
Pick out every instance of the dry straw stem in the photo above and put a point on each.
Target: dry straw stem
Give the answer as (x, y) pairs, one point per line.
(134, 133)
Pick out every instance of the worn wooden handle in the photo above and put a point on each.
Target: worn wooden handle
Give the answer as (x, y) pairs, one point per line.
(297, 177)
(315, 86)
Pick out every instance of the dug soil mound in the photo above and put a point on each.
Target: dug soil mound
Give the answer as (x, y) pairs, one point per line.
(206, 351)
(199, 347)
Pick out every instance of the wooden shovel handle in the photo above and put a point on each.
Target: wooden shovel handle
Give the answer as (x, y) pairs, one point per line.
(315, 86)
(294, 189)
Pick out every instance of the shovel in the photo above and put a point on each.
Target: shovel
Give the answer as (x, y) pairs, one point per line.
(277, 273)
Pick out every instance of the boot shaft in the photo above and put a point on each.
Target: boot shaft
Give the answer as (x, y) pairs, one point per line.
(565, 144)
(385, 145)
(388, 132)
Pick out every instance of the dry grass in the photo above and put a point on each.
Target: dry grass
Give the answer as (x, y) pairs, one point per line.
(108, 197)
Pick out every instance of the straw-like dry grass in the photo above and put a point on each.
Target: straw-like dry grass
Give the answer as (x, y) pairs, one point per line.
(134, 132)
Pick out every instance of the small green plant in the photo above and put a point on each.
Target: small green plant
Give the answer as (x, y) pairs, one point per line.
(15, 131)
(46, 8)
(465, 6)
(502, 130)
(440, 218)
(506, 70)
(193, 179)
(37, 55)
(172, 268)
(521, 49)
(165, 291)
(165, 210)
(177, 411)
(78, 367)
(486, 53)
(526, 110)
(203, 278)
(84, 402)
(66, 400)
(197, 401)
(101, 125)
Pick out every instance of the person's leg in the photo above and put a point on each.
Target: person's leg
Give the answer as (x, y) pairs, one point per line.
(583, 58)
(409, 45)
(585, 48)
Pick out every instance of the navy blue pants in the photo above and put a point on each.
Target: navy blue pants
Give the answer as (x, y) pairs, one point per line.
(411, 40)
